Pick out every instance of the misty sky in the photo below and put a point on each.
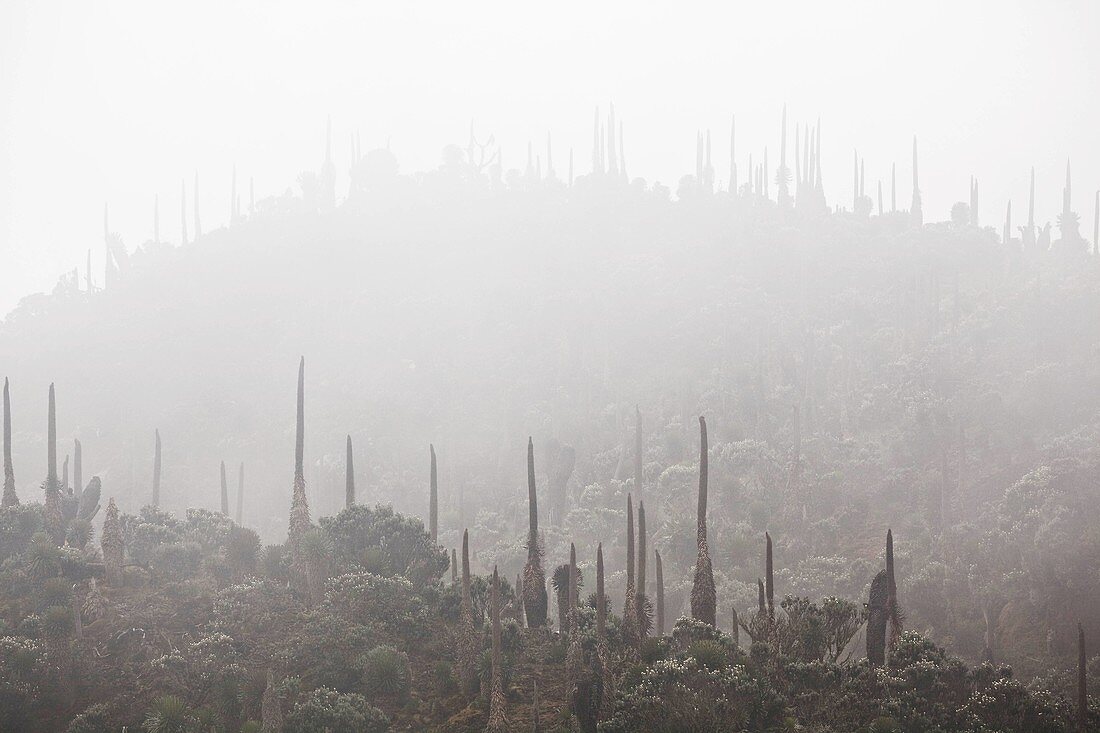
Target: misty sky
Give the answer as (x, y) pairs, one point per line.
(119, 101)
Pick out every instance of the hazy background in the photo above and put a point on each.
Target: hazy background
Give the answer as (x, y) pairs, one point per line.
(119, 101)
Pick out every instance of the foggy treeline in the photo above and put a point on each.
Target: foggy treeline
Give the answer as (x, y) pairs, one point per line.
(858, 368)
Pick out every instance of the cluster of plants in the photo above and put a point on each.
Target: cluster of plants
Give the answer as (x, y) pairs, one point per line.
(858, 372)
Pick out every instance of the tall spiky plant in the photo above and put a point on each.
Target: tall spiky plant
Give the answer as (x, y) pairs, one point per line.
(892, 592)
(607, 683)
(575, 656)
(638, 455)
(433, 499)
(156, 469)
(9, 498)
(517, 608)
(349, 478)
(225, 493)
(735, 630)
(877, 617)
(299, 505)
(454, 565)
(659, 570)
(641, 603)
(240, 494)
(783, 175)
(1028, 234)
(112, 544)
(78, 471)
(574, 589)
(53, 515)
(498, 722)
(559, 581)
(630, 617)
(468, 646)
(769, 580)
(534, 581)
(703, 593)
(601, 598)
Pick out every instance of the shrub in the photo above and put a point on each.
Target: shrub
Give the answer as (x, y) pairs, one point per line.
(242, 550)
(210, 529)
(18, 524)
(275, 562)
(386, 602)
(688, 631)
(176, 561)
(654, 649)
(252, 606)
(94, 719)
(683, 695)
(397, 544)
(328, 710)
(325, 651)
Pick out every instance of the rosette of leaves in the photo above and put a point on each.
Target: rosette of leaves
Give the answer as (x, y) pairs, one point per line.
(54, 592)
(80, 533)
(95, 604)
(57, 621)
(444, 675)
(43, 557)
(386, 672)
(169, 714)
(709, 654)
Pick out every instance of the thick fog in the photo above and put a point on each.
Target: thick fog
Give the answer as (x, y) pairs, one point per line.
(301, 303)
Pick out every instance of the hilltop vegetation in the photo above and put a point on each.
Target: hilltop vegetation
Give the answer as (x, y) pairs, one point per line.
(858, 371)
